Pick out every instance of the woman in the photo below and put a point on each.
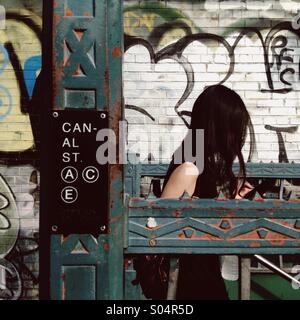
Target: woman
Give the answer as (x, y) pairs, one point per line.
(223, 116)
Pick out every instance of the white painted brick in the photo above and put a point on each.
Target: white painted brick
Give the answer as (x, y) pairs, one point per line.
(259, 5)
(207, 58)
(282, 111)
(256, 95)
(248, 78)
(217, 67)
(245, 86)
(247, 67)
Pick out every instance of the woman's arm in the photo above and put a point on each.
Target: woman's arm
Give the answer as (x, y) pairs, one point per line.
(182, 179)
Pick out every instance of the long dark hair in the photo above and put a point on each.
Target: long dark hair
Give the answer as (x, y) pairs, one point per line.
(222, 114)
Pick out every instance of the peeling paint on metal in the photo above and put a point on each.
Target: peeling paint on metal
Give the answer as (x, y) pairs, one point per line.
(255, 245)
(69, 12)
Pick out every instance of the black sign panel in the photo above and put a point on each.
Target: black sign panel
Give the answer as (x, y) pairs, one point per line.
(79, 185)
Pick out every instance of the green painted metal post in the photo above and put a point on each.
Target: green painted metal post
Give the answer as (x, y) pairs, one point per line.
(116, 178)
(87, 76)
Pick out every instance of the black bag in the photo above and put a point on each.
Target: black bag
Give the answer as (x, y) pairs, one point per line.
(152, 273)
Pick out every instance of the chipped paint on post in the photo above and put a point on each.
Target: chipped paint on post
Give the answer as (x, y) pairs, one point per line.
(87, 74)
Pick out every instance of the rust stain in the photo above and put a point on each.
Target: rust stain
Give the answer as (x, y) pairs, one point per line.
(255, 245)
(87, 14)
(154, 228)
(57, 18)
(177, 213)
(126, 264)
(106, 247)
(231, 240)
(277, 202)
(63, 291)
(209, 237)
(285, 223)
(253, 235)
(294, 201)
(116, 218)
(77, 71)
(69, 12)
(116, 52)
(79, 34)
(106, 84)
(277, 242)
(231, 214)
(65, 61)
(197, 237)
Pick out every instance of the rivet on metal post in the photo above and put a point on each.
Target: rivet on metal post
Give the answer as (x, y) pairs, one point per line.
(152, 243)
(102, 115)
(55, 114)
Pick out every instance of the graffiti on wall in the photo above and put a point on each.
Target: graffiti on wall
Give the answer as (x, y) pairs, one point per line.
(18, 245)
(196, 59)
(20, 64)
(167, 44)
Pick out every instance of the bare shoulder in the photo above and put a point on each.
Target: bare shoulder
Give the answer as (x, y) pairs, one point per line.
(183, 179)
(186, 173)
(187, 169)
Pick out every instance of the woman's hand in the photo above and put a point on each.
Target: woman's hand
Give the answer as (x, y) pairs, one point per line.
(247, 187)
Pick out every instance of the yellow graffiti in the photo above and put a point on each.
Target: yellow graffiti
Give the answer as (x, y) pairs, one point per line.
(142, 24)
(148, 21)
(15, 128)
(134, 21)
(175, 34)
(131, 23)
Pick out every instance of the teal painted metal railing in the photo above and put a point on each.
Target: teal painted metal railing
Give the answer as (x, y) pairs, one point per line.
(208, 225)
(214, 226)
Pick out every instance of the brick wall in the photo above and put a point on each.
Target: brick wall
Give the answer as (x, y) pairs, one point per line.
(243, 44)
(161, 83)
(20, 63)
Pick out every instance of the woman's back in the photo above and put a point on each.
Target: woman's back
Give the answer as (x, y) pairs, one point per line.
(221, 114)
(199, 275)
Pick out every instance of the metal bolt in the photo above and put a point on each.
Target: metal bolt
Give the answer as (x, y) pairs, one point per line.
(54, 228)
(103, 115)
(55, 114)
(103, 228)
(152, 243)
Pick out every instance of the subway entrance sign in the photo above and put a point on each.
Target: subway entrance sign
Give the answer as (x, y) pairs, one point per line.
(79, 184)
